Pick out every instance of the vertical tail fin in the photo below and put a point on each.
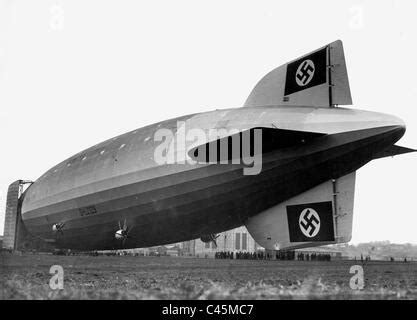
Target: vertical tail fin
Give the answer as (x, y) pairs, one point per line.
(322, 215)
(317, 79)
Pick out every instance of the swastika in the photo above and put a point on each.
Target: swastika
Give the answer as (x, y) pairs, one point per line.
(309, 222)
(305, 73)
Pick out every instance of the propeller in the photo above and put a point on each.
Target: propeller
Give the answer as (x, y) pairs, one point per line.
(122, 233)
(210, 238)
(57, 228)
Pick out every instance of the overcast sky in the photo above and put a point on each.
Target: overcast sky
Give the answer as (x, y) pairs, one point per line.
(74, 73)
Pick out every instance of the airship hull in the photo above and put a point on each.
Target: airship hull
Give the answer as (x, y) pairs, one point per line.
(139, 190)
(176, 202)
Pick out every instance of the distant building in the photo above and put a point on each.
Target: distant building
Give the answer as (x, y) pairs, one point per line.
(332, 252)
(12, 216)
(235, 240)
(16, 237)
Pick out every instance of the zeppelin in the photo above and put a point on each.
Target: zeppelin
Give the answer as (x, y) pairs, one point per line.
(296, 191)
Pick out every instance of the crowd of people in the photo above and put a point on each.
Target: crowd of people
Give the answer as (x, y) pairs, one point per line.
(223, 255)
(242, 255)
(279, 255)
(313, 256)
(285, 255)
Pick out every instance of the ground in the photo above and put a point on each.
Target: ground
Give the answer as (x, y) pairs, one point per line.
(99, 277)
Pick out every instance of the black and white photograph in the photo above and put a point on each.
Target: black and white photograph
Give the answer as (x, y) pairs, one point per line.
(192, 151)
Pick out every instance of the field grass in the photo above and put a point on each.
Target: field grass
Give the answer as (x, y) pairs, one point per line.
(88, 277)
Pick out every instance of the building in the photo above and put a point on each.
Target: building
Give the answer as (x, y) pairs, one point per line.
(11, 216)
(16, 237)
(332, 252)
(235, 240)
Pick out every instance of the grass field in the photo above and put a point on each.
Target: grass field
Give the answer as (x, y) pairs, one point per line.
(88, 277)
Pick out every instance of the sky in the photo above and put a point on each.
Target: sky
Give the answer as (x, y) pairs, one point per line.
(75, 73)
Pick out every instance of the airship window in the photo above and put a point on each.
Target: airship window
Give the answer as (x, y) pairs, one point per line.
(147, 139)
(85, 157)
(68, 164)
(122, 146)
(102, 152)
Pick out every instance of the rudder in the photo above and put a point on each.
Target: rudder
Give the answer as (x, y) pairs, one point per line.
(317, 79)
(319, 216)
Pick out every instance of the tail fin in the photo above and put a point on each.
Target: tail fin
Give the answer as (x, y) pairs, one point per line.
(322, 215)
(316, 79)
(393, 151)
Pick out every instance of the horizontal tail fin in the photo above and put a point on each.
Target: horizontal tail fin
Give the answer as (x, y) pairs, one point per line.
(393, 151)
(317, 79)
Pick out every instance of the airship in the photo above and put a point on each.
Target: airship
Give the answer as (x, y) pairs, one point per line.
(288, 172)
